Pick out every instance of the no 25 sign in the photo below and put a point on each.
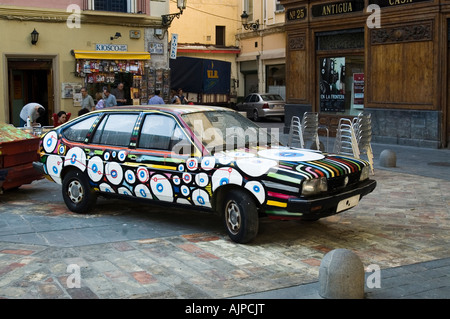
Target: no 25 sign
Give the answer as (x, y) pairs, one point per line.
(296, 14)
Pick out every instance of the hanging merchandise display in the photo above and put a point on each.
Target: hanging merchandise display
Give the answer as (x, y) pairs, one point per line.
(159, 79)
(106, 70)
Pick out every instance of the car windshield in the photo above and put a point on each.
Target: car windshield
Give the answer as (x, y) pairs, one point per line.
(271, 97)
(226, 130)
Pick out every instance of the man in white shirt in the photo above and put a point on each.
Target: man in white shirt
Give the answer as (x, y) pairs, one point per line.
(32, 111)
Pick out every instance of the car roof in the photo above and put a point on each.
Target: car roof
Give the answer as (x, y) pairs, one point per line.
(173, 108)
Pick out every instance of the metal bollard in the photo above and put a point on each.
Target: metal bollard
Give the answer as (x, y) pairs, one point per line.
(388, 158)
(341, 275)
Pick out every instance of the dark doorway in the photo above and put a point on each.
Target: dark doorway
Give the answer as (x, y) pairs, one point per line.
(30, 81)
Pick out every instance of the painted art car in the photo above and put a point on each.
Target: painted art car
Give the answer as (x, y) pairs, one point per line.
(200, 157)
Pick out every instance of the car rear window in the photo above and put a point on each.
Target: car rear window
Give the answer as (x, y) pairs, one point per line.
(78, 131)
(271, 97)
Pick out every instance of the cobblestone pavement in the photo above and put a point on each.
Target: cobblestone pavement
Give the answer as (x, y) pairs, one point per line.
(405, 221)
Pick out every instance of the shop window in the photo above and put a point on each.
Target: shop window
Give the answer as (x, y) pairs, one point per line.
(341, 71)
(340, 40)
(341, 84)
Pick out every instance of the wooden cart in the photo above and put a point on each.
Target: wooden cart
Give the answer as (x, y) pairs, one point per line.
(18, 150)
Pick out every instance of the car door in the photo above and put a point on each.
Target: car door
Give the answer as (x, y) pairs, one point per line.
(163, 163)
(108, 151)
(247, 107)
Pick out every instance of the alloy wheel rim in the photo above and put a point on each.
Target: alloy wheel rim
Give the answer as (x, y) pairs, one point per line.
(233, 217)
(75, 192)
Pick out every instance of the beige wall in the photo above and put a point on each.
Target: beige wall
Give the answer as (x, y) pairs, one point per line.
(198, 22)
(56, 40)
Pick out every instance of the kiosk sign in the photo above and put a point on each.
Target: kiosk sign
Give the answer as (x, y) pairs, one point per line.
(111, 47)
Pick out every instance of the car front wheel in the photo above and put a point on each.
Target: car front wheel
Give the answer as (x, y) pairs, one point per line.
(78, 195)
(240, 216)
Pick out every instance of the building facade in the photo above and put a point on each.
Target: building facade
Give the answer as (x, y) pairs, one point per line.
(262, 60)
(388, 58)
(81, 43)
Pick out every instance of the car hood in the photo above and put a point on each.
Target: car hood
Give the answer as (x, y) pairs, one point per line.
(292, 162)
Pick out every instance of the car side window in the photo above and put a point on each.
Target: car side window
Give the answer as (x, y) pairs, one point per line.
(115, 130)
(160, 132)
(248, 98)
(254, 98)
(78, 131)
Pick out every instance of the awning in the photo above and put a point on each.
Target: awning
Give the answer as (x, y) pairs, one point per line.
(107, 55)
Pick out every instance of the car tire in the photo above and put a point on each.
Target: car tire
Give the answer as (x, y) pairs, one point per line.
(255, 117)
(79, 197)
(240, 216)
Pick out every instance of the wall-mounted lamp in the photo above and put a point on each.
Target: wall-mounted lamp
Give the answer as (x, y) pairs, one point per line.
(249, 26)
(168, 18)
(116, 36)
(34, 37)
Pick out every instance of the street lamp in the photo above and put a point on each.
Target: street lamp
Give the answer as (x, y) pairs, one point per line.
(34, 37)
(168, 18)
(249, 26)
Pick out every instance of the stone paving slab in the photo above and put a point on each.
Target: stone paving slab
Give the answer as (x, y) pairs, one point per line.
(405, 221)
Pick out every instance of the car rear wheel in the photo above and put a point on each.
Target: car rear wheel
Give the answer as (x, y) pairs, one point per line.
(78, 195)
(255, 116)
(240, 216)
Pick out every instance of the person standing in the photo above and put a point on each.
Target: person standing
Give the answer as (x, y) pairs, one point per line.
(181, 96)
(87, 101)
(110, 100)
(119, 94)
(156, 99)
(174, 99)
(32, 111)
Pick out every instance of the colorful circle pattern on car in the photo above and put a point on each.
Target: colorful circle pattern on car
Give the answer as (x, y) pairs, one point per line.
(282, 154)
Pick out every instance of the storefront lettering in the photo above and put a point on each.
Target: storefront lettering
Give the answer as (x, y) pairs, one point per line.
(342, 7)
(111, 47)
(296, 14)
(391, 3)
(396, 2)
(213, 74)
(336, 8)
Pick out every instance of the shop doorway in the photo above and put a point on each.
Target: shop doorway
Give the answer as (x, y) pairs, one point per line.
(30, 81)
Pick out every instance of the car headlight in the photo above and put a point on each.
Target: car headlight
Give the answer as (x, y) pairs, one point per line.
(314, 186)
(364, 173)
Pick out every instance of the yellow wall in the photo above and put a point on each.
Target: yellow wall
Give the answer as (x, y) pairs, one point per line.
(198, 22)
(56, 40)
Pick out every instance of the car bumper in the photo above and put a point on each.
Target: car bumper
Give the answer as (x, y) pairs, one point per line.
(271, 112)
(326, 206)
(38, 166)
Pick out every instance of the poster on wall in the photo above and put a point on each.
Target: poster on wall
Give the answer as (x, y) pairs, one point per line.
(332, 84)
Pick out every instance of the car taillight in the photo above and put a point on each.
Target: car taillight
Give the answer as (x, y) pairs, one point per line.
(265, 106)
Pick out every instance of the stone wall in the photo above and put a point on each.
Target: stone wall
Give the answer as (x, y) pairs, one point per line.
(405, 127)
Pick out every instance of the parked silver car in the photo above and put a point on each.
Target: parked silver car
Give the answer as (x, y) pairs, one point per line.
(259, 105)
